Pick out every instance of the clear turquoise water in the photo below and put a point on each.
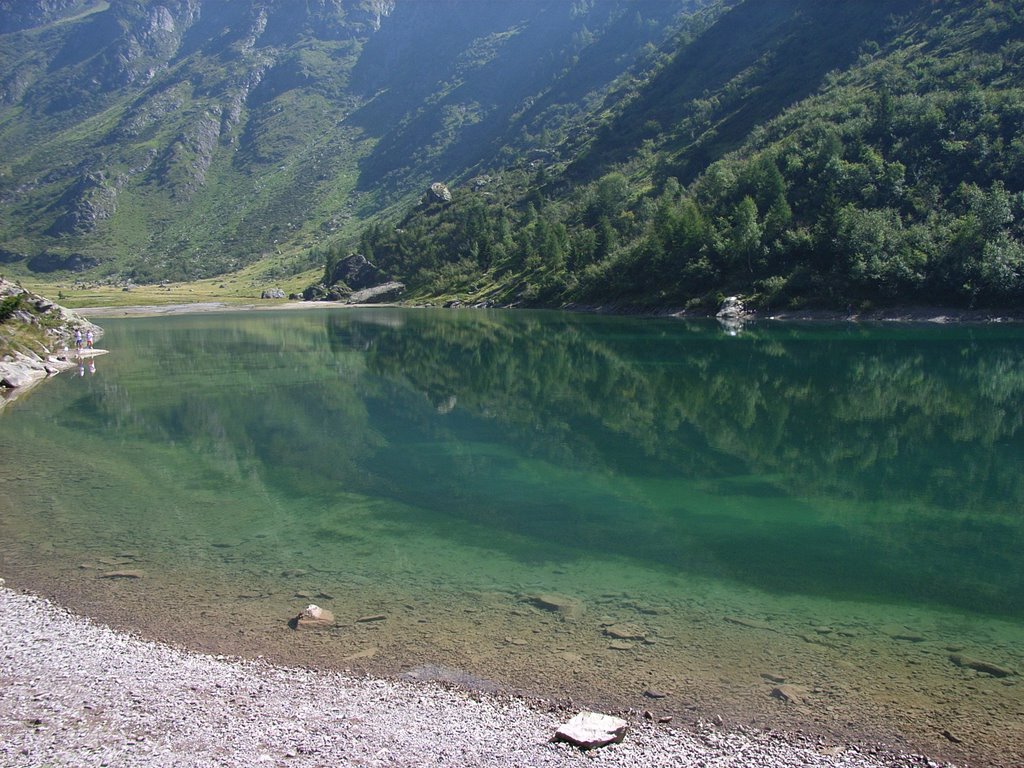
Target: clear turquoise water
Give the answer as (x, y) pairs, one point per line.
(831, 481)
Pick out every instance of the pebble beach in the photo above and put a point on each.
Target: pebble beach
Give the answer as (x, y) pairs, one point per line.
(74, 692)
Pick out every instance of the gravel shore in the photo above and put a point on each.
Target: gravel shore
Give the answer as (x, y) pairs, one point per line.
(76, 693)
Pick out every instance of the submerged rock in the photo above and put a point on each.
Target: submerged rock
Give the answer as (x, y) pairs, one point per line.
(569, 608)
(122, 575)
(626, 632)
(589, 730)
(980, 665)
(749, 623)
(312, 617)
(790, 694)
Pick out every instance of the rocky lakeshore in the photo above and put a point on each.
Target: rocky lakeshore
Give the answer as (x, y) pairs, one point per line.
(37, 340)
(79, 693)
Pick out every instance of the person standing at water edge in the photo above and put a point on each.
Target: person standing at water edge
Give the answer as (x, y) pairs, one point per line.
(78, 339)
(88, 339)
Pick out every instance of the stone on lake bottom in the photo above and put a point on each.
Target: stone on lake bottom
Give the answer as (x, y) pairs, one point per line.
(122, 575)
(625, 632)
(980, 665)
(749, 623)
(589, 730)
(790, 694)
(567, 607)
(312, 617)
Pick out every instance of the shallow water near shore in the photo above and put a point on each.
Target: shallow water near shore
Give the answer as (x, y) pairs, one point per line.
(639, 513)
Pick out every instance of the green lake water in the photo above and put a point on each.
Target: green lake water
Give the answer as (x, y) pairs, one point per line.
(576, 507)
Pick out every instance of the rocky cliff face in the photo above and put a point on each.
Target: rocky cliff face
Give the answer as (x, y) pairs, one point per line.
(87, 202)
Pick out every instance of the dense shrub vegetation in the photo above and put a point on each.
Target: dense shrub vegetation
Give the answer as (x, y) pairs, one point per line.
(898, 180)
(8, 306)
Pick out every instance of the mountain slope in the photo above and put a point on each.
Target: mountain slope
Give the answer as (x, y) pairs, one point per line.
(793, 152)
(169, 140)
(174, 139)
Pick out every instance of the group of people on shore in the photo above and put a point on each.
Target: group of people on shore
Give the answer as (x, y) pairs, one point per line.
(86, 340)
(89, 339)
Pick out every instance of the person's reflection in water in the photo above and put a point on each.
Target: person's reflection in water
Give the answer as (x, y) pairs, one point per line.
(92, 365)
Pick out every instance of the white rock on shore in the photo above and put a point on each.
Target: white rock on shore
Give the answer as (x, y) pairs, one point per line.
(75, 693)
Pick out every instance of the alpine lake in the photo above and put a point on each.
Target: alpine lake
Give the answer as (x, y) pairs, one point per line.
(817, 528)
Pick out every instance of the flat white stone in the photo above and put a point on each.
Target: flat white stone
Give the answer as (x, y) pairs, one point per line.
(589, 730)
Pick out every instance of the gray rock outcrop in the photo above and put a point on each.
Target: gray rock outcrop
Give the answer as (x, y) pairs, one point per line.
(732, 309)
(733, 314)
(355, 280)
(439, 193)
(357, 273)
(379, 294)
(21, 372)
(90, 200)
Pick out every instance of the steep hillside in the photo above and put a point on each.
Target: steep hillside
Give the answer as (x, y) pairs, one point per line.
(524, 78)
(174, 139)
(797, 153)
